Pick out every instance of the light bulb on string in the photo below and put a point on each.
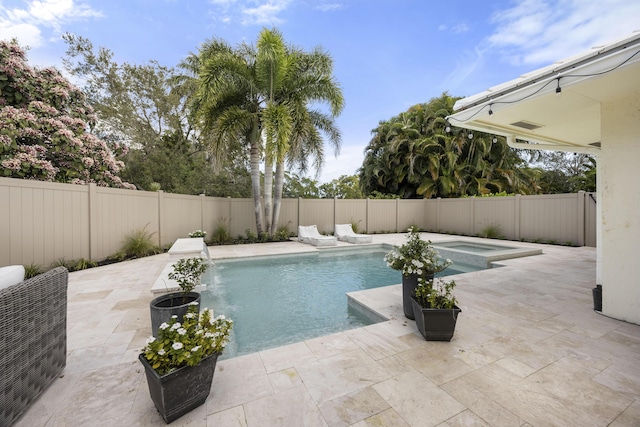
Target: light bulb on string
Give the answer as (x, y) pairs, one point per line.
(558, 89)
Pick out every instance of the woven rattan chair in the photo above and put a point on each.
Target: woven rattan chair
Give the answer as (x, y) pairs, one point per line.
(33, 341)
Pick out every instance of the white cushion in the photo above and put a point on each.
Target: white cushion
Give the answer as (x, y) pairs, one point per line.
(11, 275)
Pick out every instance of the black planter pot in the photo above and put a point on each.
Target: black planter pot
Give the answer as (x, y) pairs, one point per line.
(409, 285)
(180, 391)
(436, 324)
(165, 306)
(597, 298)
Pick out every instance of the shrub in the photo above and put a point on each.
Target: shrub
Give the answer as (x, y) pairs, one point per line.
(32, 270)
(139, 244)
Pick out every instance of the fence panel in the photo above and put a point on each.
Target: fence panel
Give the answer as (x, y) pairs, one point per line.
(180, 215)
(42, 221)
(497, 213)
(382, 216)
(116, 213)
(550, 218)
(411, 212)
(243, 217)
(455, 216)
(319, 212)
(352, 211)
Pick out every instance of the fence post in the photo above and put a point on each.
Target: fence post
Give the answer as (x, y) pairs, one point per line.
(366, 216)
(160, 217)
(93, 221)
(516, 214)
(472, 216)
(201, 211)
(229, 213)
(397, 213)
(580, 223)
(335, 213)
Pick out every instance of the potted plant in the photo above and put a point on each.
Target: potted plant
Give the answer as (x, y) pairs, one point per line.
(198, 233)
(435, 309)
(415, 259)
(179, 363)
(186, 272)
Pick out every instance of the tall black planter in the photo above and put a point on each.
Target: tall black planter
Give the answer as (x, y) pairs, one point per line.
(436, 324)
(597, 298)
(165, 306)
(182, 390)
(409, 285)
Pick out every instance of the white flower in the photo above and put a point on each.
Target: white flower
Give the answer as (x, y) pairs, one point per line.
(164, 325)
(182, 331)
(161, 352)
(177, 345)
(189, 315)
(196, 348)
(175, 316)
(151, 339)
(194, 303)
(175, 326)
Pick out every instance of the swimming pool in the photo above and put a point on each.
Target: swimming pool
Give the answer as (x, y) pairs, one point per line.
(280, 300)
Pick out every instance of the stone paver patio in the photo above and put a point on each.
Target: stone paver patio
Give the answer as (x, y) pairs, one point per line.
(528, 350)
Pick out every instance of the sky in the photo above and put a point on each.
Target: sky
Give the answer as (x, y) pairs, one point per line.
(388, 54)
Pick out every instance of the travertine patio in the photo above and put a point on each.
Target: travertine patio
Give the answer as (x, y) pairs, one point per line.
(528, 350)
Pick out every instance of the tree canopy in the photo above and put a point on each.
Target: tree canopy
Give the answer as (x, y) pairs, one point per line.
(45, 124)
(417, 154)
(146, 108)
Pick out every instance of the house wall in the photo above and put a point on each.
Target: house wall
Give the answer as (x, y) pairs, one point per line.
(618, 188)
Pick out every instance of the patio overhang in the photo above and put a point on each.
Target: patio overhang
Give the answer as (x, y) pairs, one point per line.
(557, 107)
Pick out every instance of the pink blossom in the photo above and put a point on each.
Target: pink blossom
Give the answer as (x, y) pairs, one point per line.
(88, 161)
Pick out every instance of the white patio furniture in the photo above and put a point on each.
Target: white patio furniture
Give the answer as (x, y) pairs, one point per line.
(310, 234)
(345, 233)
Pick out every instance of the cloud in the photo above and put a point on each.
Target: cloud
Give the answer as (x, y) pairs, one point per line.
(264, 14)
(535, 32)
(327, 7)
(27, 24)
(250, 12)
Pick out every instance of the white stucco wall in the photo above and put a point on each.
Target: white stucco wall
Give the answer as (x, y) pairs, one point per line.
(619, 201)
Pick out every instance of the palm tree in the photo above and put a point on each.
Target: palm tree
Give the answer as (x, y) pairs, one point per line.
(259, 97)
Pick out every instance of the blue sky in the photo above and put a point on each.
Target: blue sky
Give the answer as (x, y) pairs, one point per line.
(388, 54)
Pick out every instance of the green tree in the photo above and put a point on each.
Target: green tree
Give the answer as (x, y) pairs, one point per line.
(345, 187)
(416, 154)
(45, 125)
(260, 97)
(561, 172)
(146, 108)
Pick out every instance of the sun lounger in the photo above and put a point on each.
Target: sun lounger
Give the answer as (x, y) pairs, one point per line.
(345, 233)
(309, 234)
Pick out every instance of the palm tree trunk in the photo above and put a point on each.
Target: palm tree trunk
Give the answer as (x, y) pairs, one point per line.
(277, 197)
(255, 185)
(268, 191)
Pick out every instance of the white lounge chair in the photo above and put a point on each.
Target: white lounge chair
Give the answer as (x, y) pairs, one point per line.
(345, 233)
(309, 234)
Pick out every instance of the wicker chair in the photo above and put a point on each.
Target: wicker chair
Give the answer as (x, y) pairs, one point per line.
(33, 318)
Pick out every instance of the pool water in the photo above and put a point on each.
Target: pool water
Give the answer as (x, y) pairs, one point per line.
(279, 300)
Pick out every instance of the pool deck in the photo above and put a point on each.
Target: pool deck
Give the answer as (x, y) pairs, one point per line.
(528, 351)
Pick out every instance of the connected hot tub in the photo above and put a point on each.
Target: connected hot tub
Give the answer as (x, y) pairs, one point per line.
(481, 254)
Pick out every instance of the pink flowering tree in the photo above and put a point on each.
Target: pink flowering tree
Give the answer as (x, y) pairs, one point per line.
(45, 125)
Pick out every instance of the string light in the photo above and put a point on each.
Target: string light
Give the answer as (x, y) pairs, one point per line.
(558, 89)
(490, 109)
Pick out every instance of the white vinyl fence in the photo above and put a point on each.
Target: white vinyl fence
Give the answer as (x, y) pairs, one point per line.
(41, 222)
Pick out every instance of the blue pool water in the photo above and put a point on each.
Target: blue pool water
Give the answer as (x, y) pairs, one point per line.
(279, 300)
